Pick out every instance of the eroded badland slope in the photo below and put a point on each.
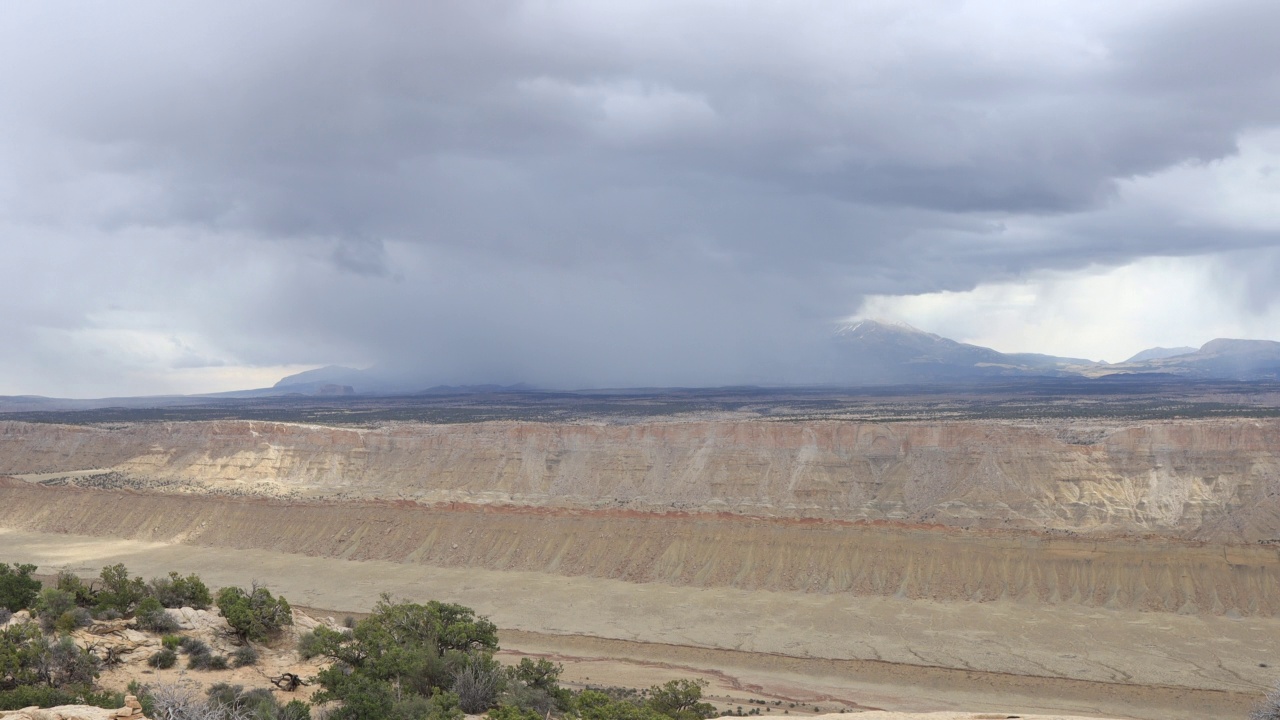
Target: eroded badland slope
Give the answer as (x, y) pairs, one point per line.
(1212, 480)
(1135, 558)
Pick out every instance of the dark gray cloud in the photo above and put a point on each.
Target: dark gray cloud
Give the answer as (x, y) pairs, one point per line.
(361, 256)
(584, 193)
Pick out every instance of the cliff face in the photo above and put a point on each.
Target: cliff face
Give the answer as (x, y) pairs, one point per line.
(1213, 480)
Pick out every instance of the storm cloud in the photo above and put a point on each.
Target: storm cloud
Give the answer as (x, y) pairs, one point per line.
(582, 194)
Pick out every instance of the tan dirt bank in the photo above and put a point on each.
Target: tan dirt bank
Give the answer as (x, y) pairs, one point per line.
(872, 652)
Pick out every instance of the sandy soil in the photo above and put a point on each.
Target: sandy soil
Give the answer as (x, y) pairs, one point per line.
(838, 650)
(952, 716)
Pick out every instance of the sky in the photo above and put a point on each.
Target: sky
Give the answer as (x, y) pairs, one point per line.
(198, 197)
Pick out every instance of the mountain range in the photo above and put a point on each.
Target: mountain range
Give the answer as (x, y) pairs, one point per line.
(862, 353)
(872, 352)
(875, 352)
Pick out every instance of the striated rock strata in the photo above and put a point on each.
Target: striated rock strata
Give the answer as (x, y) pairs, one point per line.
(690, 549)
(1171, 517)
(1212, 480)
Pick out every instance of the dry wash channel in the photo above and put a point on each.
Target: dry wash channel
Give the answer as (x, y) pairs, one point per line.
(951, 556)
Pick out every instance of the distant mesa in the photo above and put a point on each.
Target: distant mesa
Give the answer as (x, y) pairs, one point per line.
(1159, 353)
(338, 380)
(328, 375)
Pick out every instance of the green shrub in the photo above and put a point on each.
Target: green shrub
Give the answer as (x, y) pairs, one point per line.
(310, 645)
(681, 700)
(119, 593)
(223, 702)
(52, 601)
(194, 646)
(164, 659)
(151, 617)
(406, 656)
(63, 663)
(535, 700)
(176, 591)
(200, 656)
(74, 618)
(440, 706)
(255, 615)
(533, 685)
(478, 683)
(595, 705)
(540, 673)
(55, 608)
(243, 656)
(69, 582)
(18, 589)
(22, 649)
(207, 661)
(294, 710)
(511, 712)
(235, 698)
(45, 696)
(233, 701)
(172, 641)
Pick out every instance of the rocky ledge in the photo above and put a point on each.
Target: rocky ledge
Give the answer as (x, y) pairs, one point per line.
(132, 710)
